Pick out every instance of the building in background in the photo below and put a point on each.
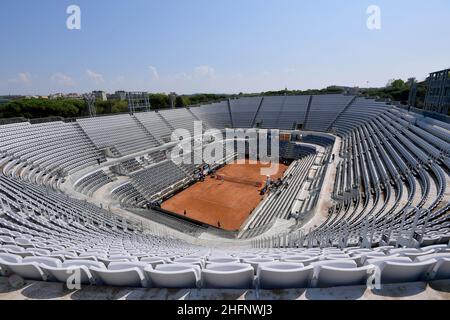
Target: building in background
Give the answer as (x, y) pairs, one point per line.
(56, 96)
(121, 95)
(438, 92)
(100, 95)
(73, 95)
(118, 95)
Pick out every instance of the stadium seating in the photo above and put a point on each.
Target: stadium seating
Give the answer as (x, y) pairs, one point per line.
(92, 182)
(283, 275)
(153, 122)
(294, 112)
(156, 179)
(180, 119)
(244, 111)
(215, 115)
(175, 276)
(119, 131)
(387, 217)
(324, 110)
(45, 153)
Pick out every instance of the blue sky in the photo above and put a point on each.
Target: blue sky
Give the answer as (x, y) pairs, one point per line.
(217, 46)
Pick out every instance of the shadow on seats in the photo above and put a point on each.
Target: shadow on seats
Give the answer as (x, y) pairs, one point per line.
(399, 290)
(45, 290)
(7, 287)
(281, 294)
(158, 294)
(336, 293)
(222, 294)
(100, 293)
(440, 285)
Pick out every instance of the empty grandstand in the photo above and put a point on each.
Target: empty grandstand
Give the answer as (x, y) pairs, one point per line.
(365, 191)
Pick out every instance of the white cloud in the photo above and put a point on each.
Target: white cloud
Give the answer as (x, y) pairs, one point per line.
(97, 78)
(153, 73)
(25, 77)
(182, 76)
(204, 71)
(22, 78)
(63, 79)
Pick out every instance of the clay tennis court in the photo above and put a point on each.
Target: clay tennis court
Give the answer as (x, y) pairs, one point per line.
(229, 202)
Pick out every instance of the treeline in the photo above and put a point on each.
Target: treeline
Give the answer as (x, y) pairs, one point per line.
(41, 108)
(398, 90)
(329, 90)
(71, 108)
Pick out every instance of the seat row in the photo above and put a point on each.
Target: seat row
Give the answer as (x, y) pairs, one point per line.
(227, 272)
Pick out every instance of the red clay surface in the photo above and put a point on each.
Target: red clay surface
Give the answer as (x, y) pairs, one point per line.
(229, 203)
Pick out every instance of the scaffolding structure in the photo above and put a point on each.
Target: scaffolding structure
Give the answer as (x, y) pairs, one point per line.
(138, 102)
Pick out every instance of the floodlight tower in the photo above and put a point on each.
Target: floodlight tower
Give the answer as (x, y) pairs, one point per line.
(89, 98)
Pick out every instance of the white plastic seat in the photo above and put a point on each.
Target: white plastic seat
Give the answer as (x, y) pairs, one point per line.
(335, 263)
(84, 258)
(403, 251)
(228, 276)
(332, 251)
(436, 256)
(413, 255)
(379, 260)
(153, 261)
(372, 255)
(48, 261)
(336, 256)
(70, 272)
(223, 260)
(122, 257)
(130, 277)
(85, 263)
(356, 259)
(436, 247)
(305, 260)
(247, 256)
(383, 248)
(107, 261)
(6, 258)
(38, 251)
(26, 270)
(400, 272)
(441, 269)
(329, 276)
(358, 251)
(167, 257)
(21, 253)
(257, 262)
(173, 276)
(283, 275)
(7, 240)
(66, 253)
(24, 243)
(192, 261)
(9, 257)
(119, 265)
(274, 256)
(13, 247)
